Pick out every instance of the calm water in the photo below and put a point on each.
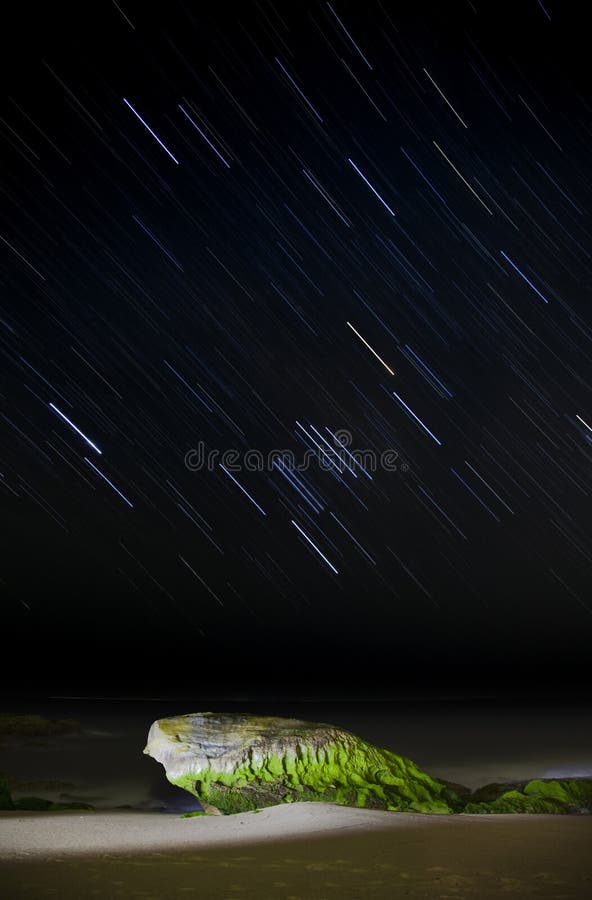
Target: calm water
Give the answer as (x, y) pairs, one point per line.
(472, 743)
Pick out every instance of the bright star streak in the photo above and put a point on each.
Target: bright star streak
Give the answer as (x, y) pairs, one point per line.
(242, 489)
(536, 118)
(316, 443)
(293, 83)
(325, 196)
(310, 500)
(374, 191)
(20, 256)
(475, 495)
(206, 139)
(297, 480)
(77, 430)
(200, 579)
(370, 348)
(427, 368)
(487, 485)
(438, 507)
(333, 450)
(357, 543)
(462, 178)
(427, 181)
(417, 419)
(349, 36)
(312, 544)
(584, 423)
(110, 483)
(522, 275)
(445, 99)
(360, 466)
(155, 136)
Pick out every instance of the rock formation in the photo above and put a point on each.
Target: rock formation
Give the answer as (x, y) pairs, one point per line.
(570, 796)
(243, 762)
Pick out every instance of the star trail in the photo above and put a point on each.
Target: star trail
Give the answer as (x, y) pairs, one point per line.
(306, 239)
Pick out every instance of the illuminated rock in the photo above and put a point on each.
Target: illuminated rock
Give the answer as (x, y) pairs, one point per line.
(243, 762)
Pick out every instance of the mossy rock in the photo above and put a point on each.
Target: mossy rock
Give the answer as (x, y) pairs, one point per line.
(547, 796)
(238, 763)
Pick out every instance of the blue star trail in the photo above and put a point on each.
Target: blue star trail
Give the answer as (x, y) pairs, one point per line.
(314, 281)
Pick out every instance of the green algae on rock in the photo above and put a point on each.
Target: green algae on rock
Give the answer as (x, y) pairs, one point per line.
(243, 762)
(572, 796)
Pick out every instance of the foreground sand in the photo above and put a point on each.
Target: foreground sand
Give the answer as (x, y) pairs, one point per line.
(304, 851)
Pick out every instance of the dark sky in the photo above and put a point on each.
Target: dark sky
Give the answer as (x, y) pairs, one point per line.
(260, 226)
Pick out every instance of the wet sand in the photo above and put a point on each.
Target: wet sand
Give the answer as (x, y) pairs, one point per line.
(303, 851)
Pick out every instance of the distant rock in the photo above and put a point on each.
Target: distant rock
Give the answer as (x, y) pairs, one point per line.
(37, 804)
(35, 726)
(568, 797)
(234, 763)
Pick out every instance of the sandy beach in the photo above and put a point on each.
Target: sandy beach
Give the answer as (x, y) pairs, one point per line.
(293, 852)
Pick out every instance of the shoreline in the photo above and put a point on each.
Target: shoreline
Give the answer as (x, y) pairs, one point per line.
(294, 852)
(27, 834)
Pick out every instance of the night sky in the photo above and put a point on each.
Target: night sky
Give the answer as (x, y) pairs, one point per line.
(267, 226)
